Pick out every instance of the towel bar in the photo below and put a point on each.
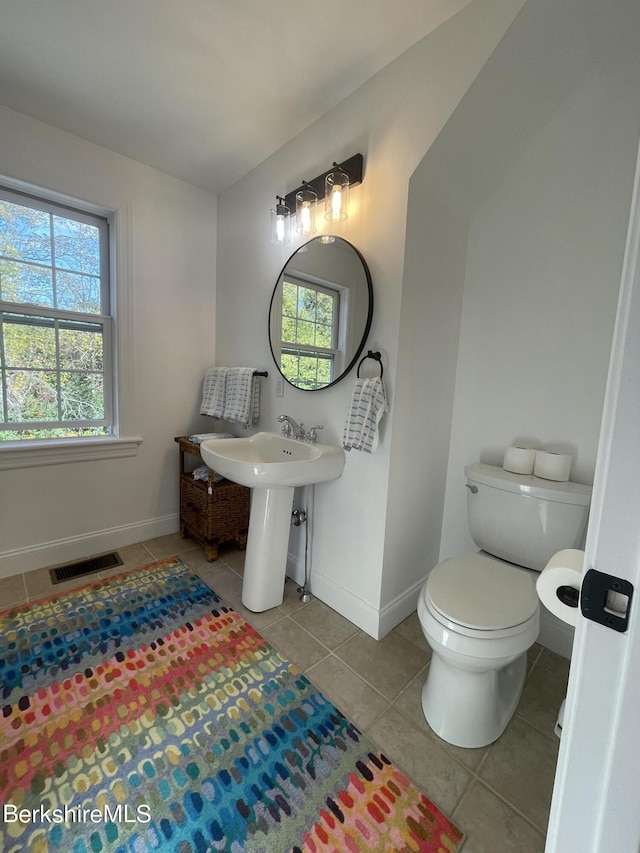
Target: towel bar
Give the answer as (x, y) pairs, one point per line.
(376, 357)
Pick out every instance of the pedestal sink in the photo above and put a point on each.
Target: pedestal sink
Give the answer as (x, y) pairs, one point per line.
(272, 465)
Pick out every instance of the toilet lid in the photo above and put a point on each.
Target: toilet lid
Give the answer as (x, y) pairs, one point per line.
(482, 592)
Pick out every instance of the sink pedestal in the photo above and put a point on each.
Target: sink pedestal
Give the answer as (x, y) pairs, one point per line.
(265, 562)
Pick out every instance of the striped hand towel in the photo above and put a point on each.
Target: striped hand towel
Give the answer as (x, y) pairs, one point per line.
(368, 405)
(214, 392)
(242, 403)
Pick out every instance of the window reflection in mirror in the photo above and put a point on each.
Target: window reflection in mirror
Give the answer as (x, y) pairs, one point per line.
(320, 313)
(310, 325)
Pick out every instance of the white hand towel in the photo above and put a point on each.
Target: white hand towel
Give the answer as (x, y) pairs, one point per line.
(214, 392)
(202, 473)
(198, 438)
(242, 403)
(368, 405)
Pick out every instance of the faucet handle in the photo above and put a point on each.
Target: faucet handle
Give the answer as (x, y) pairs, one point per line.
(312, 435)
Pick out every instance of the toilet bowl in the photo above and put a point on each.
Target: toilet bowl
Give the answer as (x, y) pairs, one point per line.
(479, 614)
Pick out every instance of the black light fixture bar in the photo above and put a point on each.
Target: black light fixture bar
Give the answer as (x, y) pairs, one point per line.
(353, 167)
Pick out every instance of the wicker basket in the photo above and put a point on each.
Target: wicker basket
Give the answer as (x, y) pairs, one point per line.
(212, 513)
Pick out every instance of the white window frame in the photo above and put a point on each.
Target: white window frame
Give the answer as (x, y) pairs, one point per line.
(122, 442)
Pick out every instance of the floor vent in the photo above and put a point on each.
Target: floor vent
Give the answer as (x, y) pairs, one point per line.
(85, 567)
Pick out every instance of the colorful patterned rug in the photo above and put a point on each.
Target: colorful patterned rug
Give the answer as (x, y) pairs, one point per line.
(140, 714)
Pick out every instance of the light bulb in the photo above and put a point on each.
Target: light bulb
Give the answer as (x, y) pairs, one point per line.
(306, 200)
(336, 202)
(336, 193)
(305, 217)
(280, 223)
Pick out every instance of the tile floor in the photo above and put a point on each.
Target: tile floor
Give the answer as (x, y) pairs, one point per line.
(499, 795)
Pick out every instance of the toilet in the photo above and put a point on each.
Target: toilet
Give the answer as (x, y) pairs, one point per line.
(479, 611)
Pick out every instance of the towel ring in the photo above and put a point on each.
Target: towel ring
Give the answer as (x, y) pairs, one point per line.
(376, 357)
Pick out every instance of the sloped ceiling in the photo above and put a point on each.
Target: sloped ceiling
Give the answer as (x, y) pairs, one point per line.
(547, 53)
(204, 90)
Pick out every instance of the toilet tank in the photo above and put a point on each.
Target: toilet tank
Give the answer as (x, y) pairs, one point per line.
(523, 519)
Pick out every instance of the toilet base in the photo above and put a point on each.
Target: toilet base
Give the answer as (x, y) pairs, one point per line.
(469, 708)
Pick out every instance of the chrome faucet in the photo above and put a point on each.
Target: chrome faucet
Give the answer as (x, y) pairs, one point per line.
(290, 426)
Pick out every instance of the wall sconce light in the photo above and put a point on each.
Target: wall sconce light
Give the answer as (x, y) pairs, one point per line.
(280, 222)
(332, 186)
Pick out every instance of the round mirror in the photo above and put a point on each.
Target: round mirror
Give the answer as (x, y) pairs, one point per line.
(320, 313)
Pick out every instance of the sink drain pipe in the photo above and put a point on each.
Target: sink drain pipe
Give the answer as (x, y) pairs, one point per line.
(298, 517)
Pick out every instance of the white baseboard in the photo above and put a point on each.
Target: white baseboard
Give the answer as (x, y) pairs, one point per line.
(77, 547)
(396, 611)
(374, 622)
(346, 603)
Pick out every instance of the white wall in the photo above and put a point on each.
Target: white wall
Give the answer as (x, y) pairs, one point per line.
(537, 162)
(63, 511)
(392, 120)
(434, 276)
(543, 273)
(517, 223)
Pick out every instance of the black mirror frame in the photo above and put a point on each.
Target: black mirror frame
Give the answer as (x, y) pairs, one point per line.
(365, 333)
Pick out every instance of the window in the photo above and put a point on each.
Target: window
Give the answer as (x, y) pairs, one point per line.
(309, 333)
(56, 360)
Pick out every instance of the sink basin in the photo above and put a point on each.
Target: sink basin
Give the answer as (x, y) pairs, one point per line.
(268, 460)
(272, 466)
